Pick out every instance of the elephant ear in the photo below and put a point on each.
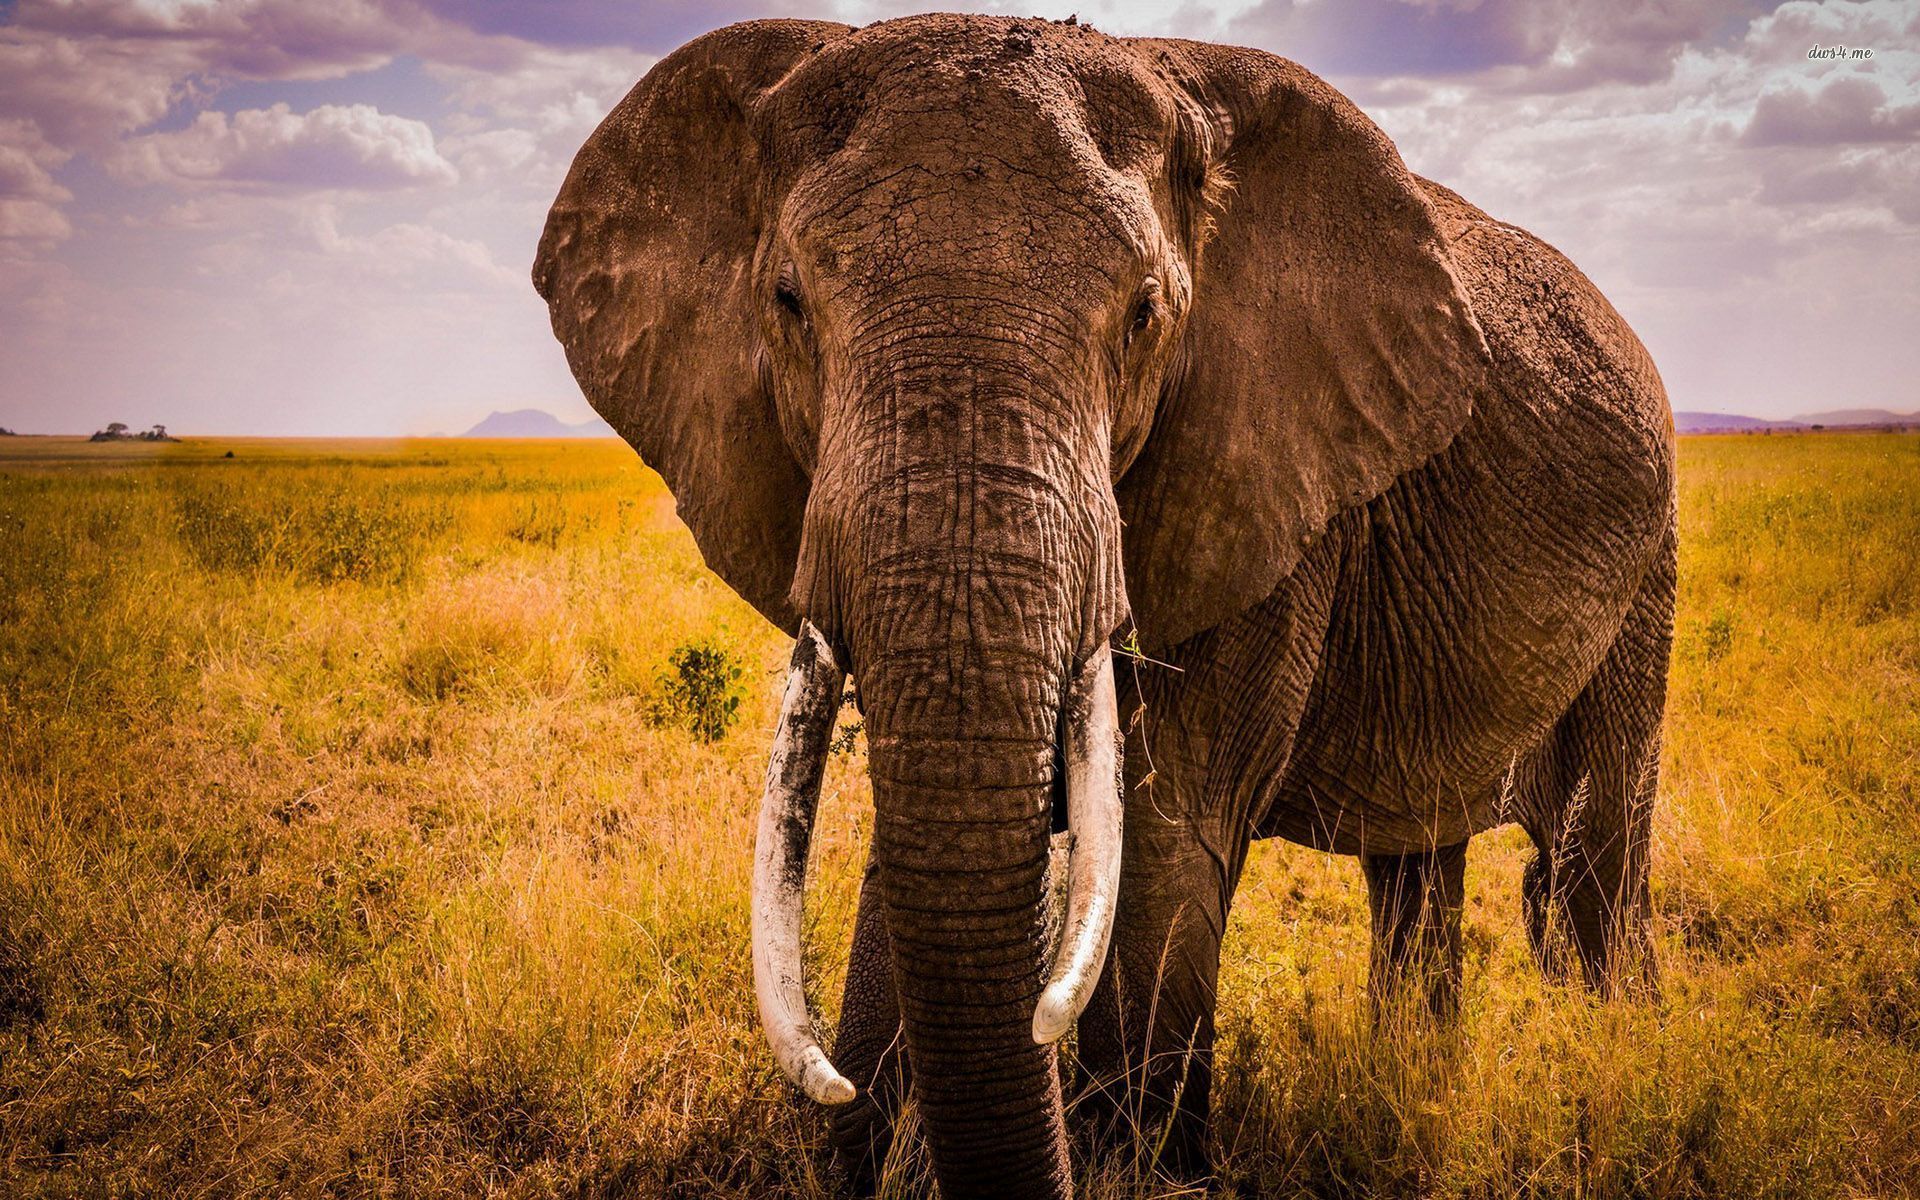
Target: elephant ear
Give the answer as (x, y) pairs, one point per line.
(646, 267)
(1329, 347)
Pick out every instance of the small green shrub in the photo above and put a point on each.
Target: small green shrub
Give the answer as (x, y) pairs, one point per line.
(846, 738)
(1718, 636)
(699, 689)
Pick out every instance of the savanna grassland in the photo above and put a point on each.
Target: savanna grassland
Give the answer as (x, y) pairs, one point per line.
(359, 836)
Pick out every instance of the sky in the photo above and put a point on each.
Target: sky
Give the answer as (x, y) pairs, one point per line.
(317, 217)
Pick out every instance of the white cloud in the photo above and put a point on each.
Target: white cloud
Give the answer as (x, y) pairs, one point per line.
(1787, 33)
(1847, 108)
(79, 76)
(493, 155)
(30, 200)
(30, 224)
(251, 39)
(332, 146)
(25, 177)
(402, 250)
(75, 95)
(521, 125)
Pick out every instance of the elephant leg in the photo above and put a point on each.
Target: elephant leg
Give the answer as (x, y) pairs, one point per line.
(1588, 806)
(1415, 900)
(1205, 747)
(1146, 1039)
(868, 1049)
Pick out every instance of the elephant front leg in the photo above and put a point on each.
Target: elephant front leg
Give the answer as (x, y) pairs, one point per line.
(1146, 1039)
(1416, 901)
(1206, 744)
(868, 1048)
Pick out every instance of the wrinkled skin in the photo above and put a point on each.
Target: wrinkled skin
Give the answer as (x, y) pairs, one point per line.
(979, 342)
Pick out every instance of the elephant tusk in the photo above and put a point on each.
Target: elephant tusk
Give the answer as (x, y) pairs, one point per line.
(780, 866)
(1094, 816)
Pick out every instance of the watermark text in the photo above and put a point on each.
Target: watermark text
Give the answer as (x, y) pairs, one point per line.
(1845, 53)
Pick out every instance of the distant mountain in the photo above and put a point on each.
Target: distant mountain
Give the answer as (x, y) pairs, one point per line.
(536, 423)
(1860, 416)
(1843, 418)
(1706, 422)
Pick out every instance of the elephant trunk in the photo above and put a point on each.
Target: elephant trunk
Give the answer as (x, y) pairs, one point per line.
(812, 697)
(963, 562)
(962, 824)
(963, 785)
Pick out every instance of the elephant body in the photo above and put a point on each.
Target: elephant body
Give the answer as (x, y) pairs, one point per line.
(985, 345)
(1460, 653)
(1469, 604)
(1478, 645)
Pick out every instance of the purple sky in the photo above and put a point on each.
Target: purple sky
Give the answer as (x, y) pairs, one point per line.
(316, 216)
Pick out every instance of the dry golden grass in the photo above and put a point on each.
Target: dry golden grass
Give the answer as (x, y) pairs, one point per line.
(339, 855)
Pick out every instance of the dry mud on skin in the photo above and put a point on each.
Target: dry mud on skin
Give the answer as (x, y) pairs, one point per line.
(343, 849)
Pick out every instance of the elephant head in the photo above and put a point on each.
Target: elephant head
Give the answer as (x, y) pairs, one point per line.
(961, 343)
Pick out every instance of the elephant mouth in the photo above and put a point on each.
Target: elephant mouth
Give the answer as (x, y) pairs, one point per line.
(1092, 752)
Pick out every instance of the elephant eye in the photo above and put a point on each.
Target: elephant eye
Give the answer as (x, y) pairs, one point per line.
(1144, 309)
(786, 293)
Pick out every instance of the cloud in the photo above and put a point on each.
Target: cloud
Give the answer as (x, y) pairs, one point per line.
(252, 39)
(30, 200)
(75, 96)
(1514, 45)
(545, 91)
(90, 77)
(401, 251)
(332, 146)
(496, 155)
(1787, 33)
(24, 178)
(1392, 37)
(520, 127)
(1856, 189)
(85, 72)
(30, 224)
(1819, 181)
(656, 26)
(1848, 109)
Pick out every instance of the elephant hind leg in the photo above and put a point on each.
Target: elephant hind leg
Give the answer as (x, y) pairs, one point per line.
(1416, 900)
(1585, 893)
(1586, 799)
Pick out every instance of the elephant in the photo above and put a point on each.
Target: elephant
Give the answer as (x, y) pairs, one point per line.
(1165, 464)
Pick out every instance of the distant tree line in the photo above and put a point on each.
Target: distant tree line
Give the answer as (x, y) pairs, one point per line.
(118, 432)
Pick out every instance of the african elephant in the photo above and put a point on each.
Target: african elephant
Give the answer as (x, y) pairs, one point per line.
(1158, 454)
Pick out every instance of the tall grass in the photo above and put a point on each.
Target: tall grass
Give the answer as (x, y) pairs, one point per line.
(342, 851)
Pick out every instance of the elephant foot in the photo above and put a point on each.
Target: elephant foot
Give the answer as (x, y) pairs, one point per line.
(1415, 902)
(1163, 1155)
(1186, 1159)
(862, 1138)
(1148, 1131)
(1576, 933)
(1550, 951)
